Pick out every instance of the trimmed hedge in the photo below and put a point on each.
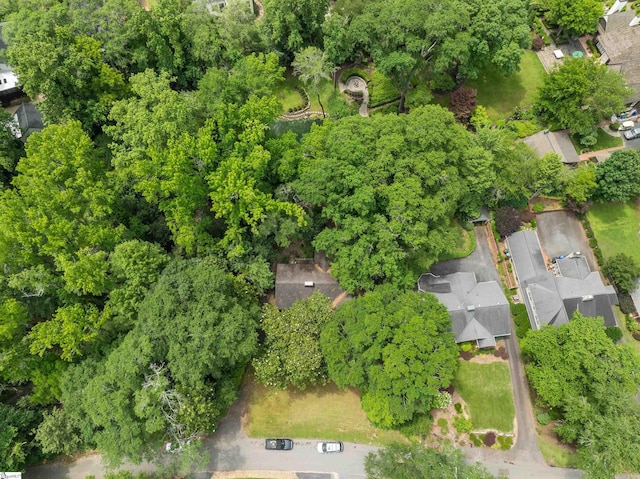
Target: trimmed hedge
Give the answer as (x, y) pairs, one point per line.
(521, 319)
(381, 90)
(359, 72)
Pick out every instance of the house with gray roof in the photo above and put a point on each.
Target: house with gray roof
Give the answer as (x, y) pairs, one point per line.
(305, 276)
(552, 294)
(479, 311)
(554, 142)
(26, 120)
(618, 41)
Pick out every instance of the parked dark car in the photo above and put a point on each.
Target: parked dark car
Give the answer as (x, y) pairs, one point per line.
(632, 134)
(278, 444)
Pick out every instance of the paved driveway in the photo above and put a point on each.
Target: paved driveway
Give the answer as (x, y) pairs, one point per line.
(479, 262)
(561, 233)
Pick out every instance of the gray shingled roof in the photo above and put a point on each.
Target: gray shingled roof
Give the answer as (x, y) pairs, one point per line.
(553, 142)
(479, 311)
(29, 120)
(575, 267)
(552, 299)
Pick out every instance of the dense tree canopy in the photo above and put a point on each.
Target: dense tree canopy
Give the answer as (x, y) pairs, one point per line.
(389, 190)
(579, 93)
(396, 348)
(292, 355)
(575, 18)
(576, 369)
(618, 178)
(169, 378)
(403, 461)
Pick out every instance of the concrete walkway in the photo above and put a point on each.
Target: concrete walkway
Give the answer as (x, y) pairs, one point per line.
(591, 154)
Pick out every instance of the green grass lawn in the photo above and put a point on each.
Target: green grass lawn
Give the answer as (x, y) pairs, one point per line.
(500, 94)
(616, 226)
(486, 388)
(604, 141)
(465, 244)
(288, 95)
(557, 455)
(320, 412)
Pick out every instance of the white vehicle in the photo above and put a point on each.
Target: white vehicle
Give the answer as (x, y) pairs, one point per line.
(626, 125)
(330, 446)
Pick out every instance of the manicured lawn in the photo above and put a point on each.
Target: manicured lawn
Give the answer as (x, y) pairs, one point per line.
(465, 244)
(322, 412)
(500, 95)
(288, 95)
(604, 141)
(616, 226)
(486, 388)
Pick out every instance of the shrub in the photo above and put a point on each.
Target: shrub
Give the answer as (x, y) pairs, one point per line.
(622, 269)
(505, 442)
(632, 324)
(489, 439)
(543, 418)
(521, 319)
(537, 207)
(443, 425)
(614, 333)
(442, 400)
(523, 128)
(466, 355)
(476, 440)
(358, 72)
(537, 44)
(507, 220)
(381, 90)
(458, 407)
(419, 426)
(466, 347)
(614, 126)
(593, 242)
(463, 102)
(462, 424)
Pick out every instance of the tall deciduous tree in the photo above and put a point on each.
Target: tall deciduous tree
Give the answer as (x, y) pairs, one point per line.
(312, 67)
(623, 269)
(389, 187)
(618, 178)
(576, 369)
(396, 348)
(579, 93)
(292, 355)
(292, 25)
(581, 185)
(58, 214)
(401, 461)
(575, 18)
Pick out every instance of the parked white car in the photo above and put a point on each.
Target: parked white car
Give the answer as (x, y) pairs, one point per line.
(330, 446)
(626, 125)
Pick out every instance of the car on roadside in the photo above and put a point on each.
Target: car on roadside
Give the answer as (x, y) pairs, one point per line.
(632, 134)
(325, 447)
(278, 444)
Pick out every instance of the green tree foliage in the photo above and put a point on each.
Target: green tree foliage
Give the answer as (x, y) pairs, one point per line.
(579, 93)
(58, 214)
(176, 372)
(58, 433)
(546, 174)
(446, 42)
(618, 178)
(312, 67)
(578, 370)
(292, 25)
(396, 348)
(623, 269)
(400, 461)
(508, 220)
(575, 18)
(70, 72)
(135, 266)
(16, 436)
(292, 355)
(581, 184)
(390, 186)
